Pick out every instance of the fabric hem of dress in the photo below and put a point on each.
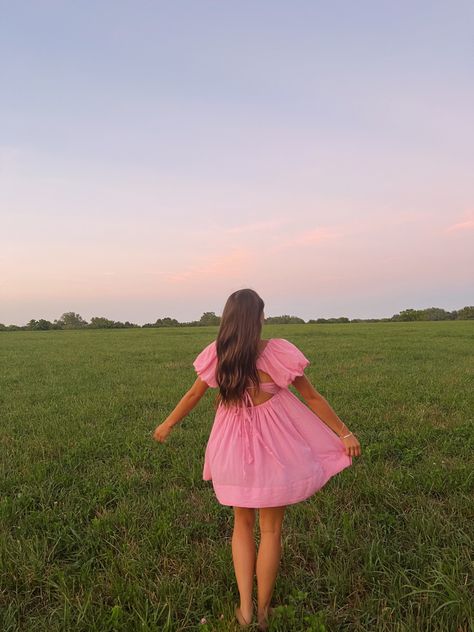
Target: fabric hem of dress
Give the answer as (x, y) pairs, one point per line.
(303, 488)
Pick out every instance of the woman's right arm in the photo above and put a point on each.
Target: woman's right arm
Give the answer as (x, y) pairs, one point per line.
(321, 407)
(185, 405)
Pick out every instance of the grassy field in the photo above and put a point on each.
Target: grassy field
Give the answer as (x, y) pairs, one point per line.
(103, 529)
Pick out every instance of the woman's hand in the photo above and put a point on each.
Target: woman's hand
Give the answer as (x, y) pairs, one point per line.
(352, 445)
(161, 432)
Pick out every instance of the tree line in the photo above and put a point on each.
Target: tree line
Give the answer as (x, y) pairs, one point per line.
(71, 320)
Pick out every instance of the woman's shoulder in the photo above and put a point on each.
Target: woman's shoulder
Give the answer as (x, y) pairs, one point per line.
(205, 364)
(211, 346)
(281, 345)
(283, 360)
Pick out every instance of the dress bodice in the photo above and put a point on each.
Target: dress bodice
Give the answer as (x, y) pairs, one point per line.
(269, 387)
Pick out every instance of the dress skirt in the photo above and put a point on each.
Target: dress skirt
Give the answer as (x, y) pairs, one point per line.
(271, 454)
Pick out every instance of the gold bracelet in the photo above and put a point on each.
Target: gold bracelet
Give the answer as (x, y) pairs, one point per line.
(342, 425)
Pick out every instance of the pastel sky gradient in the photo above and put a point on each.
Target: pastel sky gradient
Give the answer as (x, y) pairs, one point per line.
(156, 156)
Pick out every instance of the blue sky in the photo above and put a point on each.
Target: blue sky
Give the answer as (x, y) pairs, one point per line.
(154, 157)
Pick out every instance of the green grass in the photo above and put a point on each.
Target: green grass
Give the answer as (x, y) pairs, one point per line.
(103, 529)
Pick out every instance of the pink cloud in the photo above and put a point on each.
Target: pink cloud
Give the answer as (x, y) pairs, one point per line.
(463, 225)
(308, 237)
(211, 267)
(313, 236)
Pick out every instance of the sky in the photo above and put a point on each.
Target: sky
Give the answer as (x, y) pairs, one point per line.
(157, 156)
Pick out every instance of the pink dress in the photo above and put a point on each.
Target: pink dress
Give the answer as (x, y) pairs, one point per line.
(271, 454)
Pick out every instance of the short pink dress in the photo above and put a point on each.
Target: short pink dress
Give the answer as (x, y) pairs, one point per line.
(271, 454)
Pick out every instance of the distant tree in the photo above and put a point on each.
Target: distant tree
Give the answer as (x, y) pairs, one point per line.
(45, 324)
(166, 322)
(429, 313)
(466, 313)
(105, 323)
(191, 323)
(71, 320)
(283, 320)
(341, 319)
(40, 324)
(209, 318)
(126, 325)
(434, 313)
(100, 322)
(408, 315)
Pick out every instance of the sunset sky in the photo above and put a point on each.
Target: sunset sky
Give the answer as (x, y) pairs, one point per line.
(156, 156)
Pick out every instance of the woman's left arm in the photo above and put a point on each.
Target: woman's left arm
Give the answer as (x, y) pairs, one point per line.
(185, 405)
(324, 411)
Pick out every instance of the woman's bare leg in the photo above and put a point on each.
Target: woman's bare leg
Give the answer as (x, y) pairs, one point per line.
(268, 558)
(244, 555)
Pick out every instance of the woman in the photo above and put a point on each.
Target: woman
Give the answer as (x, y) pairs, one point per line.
(266, 449)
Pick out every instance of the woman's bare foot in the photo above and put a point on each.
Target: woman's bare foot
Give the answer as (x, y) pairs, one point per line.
(243, 620)
(263, 618)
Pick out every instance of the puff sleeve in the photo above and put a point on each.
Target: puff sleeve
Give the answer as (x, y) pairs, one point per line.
(205, 364)
(287, 362)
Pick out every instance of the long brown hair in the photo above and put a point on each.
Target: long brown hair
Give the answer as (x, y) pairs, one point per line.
(237, 345)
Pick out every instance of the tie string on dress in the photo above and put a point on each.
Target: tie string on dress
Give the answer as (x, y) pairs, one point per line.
(247, 429)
